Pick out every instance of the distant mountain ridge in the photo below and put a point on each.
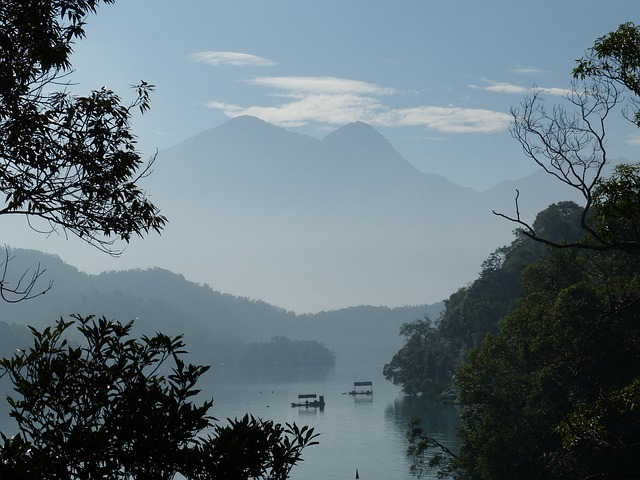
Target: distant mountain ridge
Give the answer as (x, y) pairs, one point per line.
(334, 222)
(310, 225)
(213, 323)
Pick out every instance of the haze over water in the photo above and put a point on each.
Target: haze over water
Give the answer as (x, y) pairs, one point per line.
(367, 433)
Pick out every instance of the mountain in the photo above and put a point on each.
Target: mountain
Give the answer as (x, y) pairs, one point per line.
(311, 225)
(216, 326)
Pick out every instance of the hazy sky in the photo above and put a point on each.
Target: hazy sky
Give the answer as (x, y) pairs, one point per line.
(437, 78)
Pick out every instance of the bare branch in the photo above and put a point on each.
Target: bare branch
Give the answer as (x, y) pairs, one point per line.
(570, 146)
(25, 287)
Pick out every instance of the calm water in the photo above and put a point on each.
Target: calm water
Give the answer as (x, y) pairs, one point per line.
(367, 433)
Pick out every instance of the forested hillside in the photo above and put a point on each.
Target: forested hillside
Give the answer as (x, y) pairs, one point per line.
(219, 328)
(544, 346)
(543, 351)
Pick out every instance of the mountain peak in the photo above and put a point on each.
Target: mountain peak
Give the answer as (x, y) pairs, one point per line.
(362, 147)
(356, 131)
(246, 120)
(248, 124)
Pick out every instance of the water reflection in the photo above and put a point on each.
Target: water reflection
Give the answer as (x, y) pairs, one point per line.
(440, 421)
(363, 400)
(367, 432)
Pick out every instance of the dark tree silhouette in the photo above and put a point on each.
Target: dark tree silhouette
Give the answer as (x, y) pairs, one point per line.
(107, 405)
(69, 163)
(568, 140)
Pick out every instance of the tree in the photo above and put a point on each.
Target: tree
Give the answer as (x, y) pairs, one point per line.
(571, 343)
(113, 407)
(554, 393)
(251, 448)
(425, 364)
(569, 141)
(469, 335)
(22, 288)
(119, 407)
(616, 58)
(569, 146)
(617, 208)
(606, 429)
(69, 162)
(422, 455)
(475, 310)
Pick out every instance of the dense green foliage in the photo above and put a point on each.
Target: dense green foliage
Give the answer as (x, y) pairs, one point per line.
(550, 389)
(570, 344)
(98, 403)
(426, 364)
(549, 380)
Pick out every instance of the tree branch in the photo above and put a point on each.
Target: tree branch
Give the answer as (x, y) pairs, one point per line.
(24, 288)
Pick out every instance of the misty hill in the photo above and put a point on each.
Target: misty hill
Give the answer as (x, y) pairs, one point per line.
(260, 211)
(311, 225)
(216, 326)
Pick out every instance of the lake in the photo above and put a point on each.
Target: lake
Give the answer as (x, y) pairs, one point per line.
(363, 432)
(367, 433)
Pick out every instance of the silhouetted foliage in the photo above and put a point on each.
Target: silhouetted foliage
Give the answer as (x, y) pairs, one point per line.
(569, 142)
(252, 448)
(282, 352)
(554, 393)
(113, 406)
(69, 162)
(97, 403)
(425, 364)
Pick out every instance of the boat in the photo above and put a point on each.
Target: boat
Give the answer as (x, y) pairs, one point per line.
(357, 388)
(309, 400)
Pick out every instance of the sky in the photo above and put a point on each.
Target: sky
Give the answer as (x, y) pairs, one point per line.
(437, 78)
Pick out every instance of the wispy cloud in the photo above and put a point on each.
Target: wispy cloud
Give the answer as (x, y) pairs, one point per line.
(336, 109)
(524, 70)
(454, 119)
(337, 101)
(506, 88)
(321, 85)
(230, 58)
(557, 91)
(512, 89)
